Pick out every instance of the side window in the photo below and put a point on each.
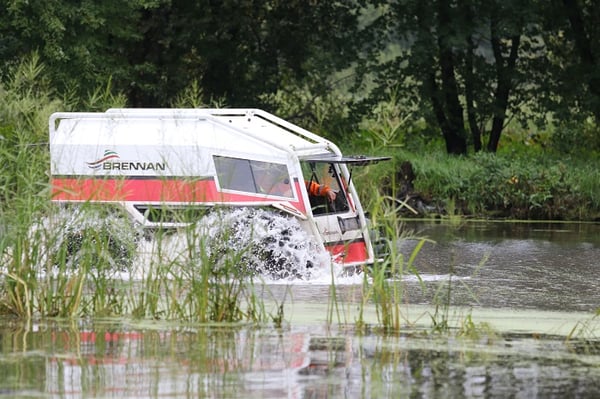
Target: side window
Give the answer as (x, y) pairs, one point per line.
(272, 178)
(253, 176)
(234, 174)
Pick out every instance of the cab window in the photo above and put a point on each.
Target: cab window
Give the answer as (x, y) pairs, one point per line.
(324, 174)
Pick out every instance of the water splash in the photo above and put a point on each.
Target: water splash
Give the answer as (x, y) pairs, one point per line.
(73, 235)
(272, 246)
(275, 248)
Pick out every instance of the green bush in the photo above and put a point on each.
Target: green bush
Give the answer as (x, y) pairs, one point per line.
(576, 139)
(506, 185)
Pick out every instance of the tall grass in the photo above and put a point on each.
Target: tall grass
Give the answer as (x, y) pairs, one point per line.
(583, 337)
(204, 286)
(81, 263)
(382, 285)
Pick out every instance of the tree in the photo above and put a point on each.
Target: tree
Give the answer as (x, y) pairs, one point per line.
(572, 36)
(153, 49)
(460, 59)
(584, 18)
(238, 50)
(82, 44)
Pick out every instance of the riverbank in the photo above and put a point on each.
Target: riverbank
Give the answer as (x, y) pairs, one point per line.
(525, 186)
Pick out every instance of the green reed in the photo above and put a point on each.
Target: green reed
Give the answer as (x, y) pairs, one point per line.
(56, 264)
(204, 286)
(79, 262)
(583, 337)
(382, 283)
(60, 266)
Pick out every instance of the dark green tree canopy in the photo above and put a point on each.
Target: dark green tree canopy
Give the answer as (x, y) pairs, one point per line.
(464, 62)
(466, 67)
(153, 49)
(572, 34)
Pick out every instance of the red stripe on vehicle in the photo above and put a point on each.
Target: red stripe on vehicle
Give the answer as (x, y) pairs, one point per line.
(153, 190)
(355, 251)
(142, 190)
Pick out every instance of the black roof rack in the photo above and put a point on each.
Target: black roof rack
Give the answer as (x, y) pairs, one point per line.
(357, 160)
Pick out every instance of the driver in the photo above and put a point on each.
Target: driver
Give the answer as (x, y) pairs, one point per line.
(320, 190)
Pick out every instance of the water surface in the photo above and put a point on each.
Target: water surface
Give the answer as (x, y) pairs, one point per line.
(546, 266)
(530, 290)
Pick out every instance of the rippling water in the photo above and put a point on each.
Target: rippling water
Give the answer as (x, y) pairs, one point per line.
(148, 360)
(518, 265)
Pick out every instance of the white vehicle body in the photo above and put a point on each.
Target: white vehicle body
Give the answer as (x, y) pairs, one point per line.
(145, 159)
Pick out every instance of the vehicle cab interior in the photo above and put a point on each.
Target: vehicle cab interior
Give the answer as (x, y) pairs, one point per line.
(327, 174)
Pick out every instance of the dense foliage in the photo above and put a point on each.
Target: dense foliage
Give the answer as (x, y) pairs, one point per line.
(464, 67)
(154, 49)
(520, 182)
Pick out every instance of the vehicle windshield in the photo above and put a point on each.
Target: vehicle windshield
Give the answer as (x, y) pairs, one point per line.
(326, 176)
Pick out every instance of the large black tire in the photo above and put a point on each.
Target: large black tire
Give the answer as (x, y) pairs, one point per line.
(101, 238)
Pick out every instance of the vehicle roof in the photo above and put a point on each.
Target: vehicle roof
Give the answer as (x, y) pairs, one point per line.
(255, 123)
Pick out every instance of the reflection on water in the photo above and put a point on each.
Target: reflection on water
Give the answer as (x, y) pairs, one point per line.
(105, 360)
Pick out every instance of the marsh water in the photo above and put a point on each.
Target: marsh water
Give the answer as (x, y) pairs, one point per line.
(525, 295)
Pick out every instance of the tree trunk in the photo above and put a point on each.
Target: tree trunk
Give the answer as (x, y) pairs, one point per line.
(469, 82)
(454, 128)
(455, 143)
(504, 70)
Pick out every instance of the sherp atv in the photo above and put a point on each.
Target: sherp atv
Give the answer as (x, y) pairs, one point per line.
(160, 164)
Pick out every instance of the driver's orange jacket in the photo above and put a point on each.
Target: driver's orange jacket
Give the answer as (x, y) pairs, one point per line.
(317, 189)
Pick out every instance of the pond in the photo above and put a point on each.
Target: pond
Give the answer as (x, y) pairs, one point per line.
(524, 295)
(545, 266)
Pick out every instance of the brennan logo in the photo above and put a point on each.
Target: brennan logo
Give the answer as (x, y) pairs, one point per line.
(112, 161)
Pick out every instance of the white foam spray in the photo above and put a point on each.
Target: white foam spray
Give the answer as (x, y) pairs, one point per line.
(275, 246)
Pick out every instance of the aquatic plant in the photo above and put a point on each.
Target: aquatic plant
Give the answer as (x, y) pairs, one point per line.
(583, 337)
(505, 185)
(446, 317)
(216, 261)
(382, 282)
